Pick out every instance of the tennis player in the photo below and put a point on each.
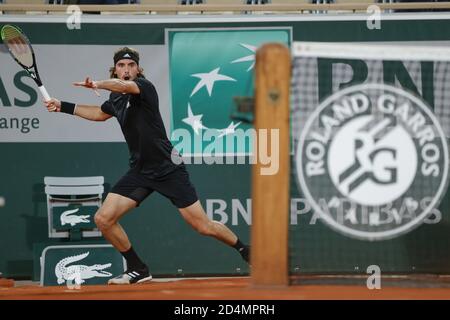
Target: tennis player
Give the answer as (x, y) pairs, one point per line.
(134, 103)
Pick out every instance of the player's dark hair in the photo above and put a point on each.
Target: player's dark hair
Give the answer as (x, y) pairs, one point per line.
(126, 53)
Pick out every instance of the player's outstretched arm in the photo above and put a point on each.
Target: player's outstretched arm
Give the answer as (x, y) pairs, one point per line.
(88, 112)
(115, 85)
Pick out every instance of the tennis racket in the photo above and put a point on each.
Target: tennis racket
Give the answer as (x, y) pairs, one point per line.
(21, 50)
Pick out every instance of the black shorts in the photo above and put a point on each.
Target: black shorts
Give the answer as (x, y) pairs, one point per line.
(175, 186)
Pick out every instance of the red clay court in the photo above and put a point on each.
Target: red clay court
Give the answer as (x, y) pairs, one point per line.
(423, 287)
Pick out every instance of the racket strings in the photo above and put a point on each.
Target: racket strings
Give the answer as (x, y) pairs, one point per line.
(18, 45)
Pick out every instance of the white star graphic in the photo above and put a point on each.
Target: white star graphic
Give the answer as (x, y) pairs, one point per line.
(195, 121)
(229, 129)
(249, 57)
(208, 79)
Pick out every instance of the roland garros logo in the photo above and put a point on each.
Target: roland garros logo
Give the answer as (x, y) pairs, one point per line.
(373, 161)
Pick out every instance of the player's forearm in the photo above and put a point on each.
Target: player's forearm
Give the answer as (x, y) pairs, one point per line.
(88, 112)
(116, 85)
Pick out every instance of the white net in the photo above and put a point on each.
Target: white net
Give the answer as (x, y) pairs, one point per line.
(370, 127)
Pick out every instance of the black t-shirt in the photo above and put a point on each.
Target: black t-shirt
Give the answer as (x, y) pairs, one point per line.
(143, 128)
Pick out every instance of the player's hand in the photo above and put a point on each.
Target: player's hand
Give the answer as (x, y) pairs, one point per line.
(53, 105)
(88, 83)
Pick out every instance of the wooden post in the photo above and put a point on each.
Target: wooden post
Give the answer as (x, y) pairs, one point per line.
(270, 192)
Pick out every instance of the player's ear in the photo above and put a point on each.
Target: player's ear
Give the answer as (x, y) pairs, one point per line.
(141, 72)
(112, 72)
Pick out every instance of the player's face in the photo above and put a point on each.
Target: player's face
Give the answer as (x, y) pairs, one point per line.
(127, 69)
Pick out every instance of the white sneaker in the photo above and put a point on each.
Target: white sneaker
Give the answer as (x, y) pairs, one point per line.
(132, 276)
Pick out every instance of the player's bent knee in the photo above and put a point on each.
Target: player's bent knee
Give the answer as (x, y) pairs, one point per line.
(205, 229)
(103, 222)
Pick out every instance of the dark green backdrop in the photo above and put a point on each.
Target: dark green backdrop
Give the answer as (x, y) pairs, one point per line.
(158, 232)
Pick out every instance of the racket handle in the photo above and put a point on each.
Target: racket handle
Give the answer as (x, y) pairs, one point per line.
(44, 93)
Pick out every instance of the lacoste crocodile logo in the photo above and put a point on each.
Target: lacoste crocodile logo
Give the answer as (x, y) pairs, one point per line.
(79, 273)
(68, 218)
